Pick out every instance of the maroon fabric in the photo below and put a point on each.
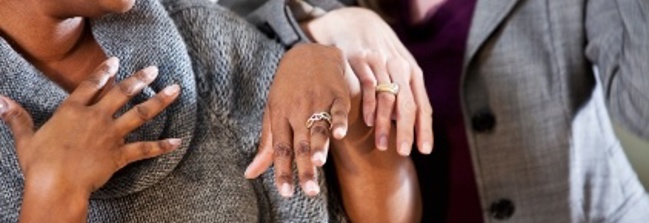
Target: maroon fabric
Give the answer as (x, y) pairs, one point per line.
(446, 177)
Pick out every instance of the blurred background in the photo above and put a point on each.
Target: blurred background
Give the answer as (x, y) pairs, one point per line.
(638, 152)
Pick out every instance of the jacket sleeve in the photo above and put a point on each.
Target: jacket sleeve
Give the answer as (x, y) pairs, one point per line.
(618, 46)
(276, 18)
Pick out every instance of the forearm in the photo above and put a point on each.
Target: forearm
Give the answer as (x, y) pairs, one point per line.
(45, 202)
(376, 186)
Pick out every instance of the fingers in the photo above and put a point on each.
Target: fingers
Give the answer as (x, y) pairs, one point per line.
(282, 154)
(339, 114)
(319, 135)
(89, 88)
(385, 106)
(147, 110)
(406, 115)
(18, 120)
(127, 89)
(264, 157)
(368, 83)
(306, 169)
(405, 106)
(145, 150)
(424, 125)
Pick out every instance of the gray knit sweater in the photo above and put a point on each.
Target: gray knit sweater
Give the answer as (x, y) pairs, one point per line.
(225, 68)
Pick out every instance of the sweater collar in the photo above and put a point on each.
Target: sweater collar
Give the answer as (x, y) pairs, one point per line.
(142, 37)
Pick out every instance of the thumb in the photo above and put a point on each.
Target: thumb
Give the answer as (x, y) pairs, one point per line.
(18, 120)
(264, 157)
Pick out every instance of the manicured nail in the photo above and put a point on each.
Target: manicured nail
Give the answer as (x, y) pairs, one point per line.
(171, 90)
(247, 173)
(151, 72)
(311, 188)
(383, 143)
(286, 190)
(318, 158)
(404, 149)
(369, 120)
(113, 64)
(340, 132)
(174, 142)
(426, 148)
(3, 106)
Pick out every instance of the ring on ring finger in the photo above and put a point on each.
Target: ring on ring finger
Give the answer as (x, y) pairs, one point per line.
(391, 88)
(320, 116)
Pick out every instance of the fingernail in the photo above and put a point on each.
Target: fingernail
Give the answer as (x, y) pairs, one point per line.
(311, 188)
(286, 190)
(404, 149)
(113, 64)
(427, 148)
(340, 132)
(171, 90)
(175, 142)
(369, 120)
(247, 173)
(318, 158)
(3, 106)
(383, 143)
(151, 72)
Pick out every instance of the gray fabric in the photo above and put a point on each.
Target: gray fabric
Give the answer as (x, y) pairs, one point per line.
(553, 152)
(274, 18)
(225, 68)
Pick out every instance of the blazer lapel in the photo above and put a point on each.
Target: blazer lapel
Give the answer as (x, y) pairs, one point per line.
(487, 17)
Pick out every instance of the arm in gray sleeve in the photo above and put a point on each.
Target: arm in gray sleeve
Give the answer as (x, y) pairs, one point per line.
(618, 45)
(279, 19)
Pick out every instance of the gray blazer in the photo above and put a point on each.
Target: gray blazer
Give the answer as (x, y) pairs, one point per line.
(537, 113)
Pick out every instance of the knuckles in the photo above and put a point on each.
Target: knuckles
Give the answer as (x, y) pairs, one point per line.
(142, 112)
(282, 150)
(303, 149)
(320, 130)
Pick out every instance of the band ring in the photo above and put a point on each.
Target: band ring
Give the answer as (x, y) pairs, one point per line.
(318, 117)
(391, 88)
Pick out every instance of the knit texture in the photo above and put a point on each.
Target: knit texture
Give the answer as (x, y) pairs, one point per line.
(225, 68)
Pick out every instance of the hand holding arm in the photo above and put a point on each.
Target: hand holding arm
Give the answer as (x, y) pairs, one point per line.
(384, 180)
(377, 57)
(309, 80)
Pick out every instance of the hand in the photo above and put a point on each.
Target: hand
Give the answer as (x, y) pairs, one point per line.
(377, 57)
(310, 79)
(83, 145)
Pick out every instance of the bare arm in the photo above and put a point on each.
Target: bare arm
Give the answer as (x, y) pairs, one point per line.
(376, 186)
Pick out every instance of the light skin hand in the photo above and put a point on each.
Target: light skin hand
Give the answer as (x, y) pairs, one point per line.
(77, 151)
(377, 57)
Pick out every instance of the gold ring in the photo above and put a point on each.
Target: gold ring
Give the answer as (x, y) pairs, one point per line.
(391, 88)
(318, 117)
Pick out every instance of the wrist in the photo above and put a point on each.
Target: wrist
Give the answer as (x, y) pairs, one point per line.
(54, 188)
(46, 199)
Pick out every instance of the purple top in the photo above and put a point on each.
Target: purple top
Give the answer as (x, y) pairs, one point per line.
(446, 177)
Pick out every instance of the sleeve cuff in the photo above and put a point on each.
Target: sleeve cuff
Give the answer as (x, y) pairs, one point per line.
(280, 18)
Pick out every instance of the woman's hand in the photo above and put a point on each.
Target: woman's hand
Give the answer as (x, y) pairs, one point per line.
(377, 57)
(82, 145)
(309, 80)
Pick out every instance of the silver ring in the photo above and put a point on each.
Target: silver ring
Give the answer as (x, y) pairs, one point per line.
(318, 117)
